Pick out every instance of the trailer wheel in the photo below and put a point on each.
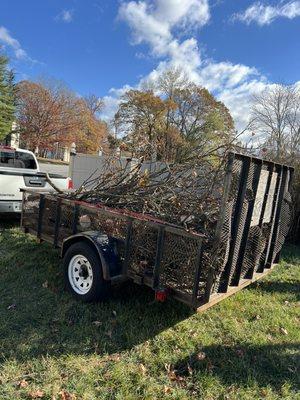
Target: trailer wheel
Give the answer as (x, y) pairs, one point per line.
(83, 273)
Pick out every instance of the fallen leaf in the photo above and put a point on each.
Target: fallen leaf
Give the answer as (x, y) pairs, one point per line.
(37, 394)
(114, 357)
(45, 284)
(23, 383)
(172, 373)
(210, 366)
(264, 392)
(201, 356)
(143, 369)
(270, 338)
(172, 376)
(97, 323)
(190, 369)
(240, 352)
(284, 331)
(167, 389)
(64, 395)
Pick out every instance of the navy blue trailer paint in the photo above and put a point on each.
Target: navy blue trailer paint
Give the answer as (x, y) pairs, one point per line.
(106, 249)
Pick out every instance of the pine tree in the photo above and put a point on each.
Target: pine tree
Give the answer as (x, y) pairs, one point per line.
(7, 98)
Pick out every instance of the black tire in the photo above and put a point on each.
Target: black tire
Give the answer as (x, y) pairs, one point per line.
(100, 288)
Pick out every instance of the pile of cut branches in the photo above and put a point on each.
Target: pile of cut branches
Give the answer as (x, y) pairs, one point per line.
(186, 194)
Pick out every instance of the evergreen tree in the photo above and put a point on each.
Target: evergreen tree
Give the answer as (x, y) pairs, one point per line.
(7, 98)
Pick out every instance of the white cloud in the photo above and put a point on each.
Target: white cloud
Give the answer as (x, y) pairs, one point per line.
(14, 44)
(152, 23)
(161, 24)
(112, 100)
(65, 16)
(187, 13)
(264, 14)
(238, 99)
(225, 75)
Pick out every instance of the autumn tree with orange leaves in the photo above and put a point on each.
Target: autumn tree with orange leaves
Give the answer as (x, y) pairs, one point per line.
(172, 117)
(92, 133)
(141, 119)
(49, 113)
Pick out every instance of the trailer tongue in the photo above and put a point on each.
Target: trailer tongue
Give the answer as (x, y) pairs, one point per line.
(101, 246)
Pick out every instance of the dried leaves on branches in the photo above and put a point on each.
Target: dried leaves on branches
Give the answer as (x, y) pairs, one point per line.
(185, 194)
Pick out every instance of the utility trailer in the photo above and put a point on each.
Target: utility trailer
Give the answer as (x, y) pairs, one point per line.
(102, 246)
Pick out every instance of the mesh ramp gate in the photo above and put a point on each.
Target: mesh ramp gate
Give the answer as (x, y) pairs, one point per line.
(254, 222)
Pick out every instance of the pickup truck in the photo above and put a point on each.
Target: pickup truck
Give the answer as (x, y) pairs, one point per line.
(19, 169)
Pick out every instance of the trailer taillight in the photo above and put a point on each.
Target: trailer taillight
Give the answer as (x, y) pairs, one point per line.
(70, 184)
(161, 295)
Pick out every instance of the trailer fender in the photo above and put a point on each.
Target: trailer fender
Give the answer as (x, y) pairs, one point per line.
(105, 246)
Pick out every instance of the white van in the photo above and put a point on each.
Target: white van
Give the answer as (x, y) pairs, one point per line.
(19, 169)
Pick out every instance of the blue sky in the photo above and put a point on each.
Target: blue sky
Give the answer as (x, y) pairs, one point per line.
(235, 48)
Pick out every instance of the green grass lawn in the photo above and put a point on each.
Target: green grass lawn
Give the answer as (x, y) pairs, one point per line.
(53, 347)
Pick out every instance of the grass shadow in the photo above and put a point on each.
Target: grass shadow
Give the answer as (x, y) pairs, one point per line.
(279, 287)
(38, 318)
(8, 221)
(265, 365)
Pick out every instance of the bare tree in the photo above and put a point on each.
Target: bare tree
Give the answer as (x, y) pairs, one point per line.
(276, 115)
(172, 80)
(94, 103)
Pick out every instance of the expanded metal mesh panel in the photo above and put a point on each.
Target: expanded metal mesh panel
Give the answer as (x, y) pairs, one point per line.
(285, 222)
(265, 239)
(247, 228)
(221, 257)
(30, 210)
(268, 221)
(66, 221)
(255, 247)
(215, 259)
(179, 262)
(49, 216)
(142, 247)
(253, 242)
(108, 223)
(240, 232)
(258, 231)
(235, 180)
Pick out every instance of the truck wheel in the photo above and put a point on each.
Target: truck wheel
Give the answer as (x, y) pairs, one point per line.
(83, 273)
